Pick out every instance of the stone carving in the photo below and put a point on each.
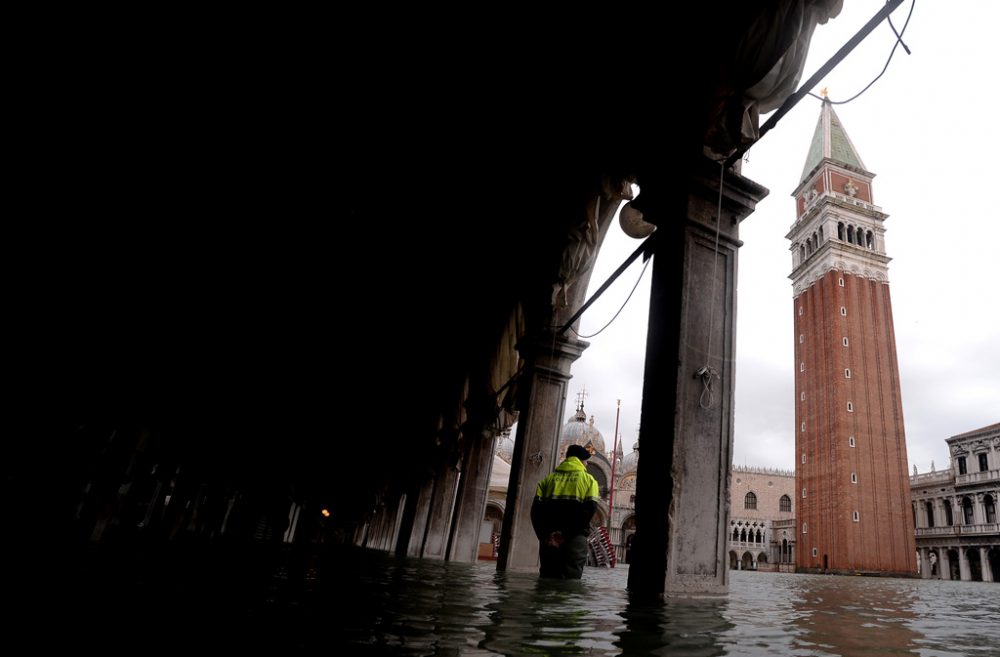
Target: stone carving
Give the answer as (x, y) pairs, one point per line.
(581, 249)
(850, 189)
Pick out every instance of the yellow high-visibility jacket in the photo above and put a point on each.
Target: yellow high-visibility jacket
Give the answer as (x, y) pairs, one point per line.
(565, 500)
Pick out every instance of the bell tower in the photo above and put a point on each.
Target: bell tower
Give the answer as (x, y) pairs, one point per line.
(853, 508)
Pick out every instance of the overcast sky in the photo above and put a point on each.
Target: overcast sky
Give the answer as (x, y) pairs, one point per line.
(928, 130)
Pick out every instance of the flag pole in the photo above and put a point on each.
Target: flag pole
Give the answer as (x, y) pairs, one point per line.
(611, 486)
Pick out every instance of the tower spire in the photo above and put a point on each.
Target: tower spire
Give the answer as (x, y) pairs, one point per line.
(830, 142)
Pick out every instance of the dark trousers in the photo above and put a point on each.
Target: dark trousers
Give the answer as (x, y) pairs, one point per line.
(563, 562)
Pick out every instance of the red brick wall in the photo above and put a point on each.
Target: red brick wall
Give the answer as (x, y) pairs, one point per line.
(883, 539)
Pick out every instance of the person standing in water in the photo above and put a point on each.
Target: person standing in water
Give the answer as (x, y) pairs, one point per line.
(565, 503)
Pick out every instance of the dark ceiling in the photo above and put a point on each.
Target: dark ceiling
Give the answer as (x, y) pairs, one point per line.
(290, 281)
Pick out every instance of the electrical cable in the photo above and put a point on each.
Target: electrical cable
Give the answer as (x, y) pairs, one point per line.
(899, 41)
(586, 337)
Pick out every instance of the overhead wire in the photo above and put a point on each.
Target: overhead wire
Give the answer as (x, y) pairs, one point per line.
(899, 42)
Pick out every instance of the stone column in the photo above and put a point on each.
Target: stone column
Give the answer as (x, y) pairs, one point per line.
(683, 483)
(478, 465)
(440, 514)
(925, 563)
(988, 574)
(963, 565)
(944, 565)
(422, 510)
(547, 364)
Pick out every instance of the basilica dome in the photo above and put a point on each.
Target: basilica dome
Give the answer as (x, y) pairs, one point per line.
(630, 463)
(581, 431)
(505, 447)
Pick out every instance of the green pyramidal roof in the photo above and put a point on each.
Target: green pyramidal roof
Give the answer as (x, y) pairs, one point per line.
(830, 141)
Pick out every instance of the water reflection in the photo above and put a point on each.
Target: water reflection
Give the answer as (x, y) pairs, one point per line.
(676, 627)
(382, 605)
(855, 616)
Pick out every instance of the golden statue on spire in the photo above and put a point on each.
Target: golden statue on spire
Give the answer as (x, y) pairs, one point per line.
(823, 92)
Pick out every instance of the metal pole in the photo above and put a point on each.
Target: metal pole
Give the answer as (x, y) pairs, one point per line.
(611, 487)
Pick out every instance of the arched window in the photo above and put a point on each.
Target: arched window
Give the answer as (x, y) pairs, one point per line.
(736, 534)
(948, 518)
(991, 509)
(760, 537)
(850, 234)
(840, 231)
(809, 245)
(930, 514)
(815, 241)
(967, 510)
(750, 501)
(802, 252)
(870, 240)
(743, 535)
(785, 503)
(820, 234)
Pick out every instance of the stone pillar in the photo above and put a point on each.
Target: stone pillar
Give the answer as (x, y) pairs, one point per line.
(925, 563)
(439, 517)
(683, 483)
(548, 358)
(944, 565)
(422, 508)
(471, 506)
(988, 574)
(963, 565)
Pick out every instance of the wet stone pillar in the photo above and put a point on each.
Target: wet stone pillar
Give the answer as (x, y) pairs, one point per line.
(548, 358)
(440, 514)
(686, 431)
(963, 565)
(944, 566)
(925, 563)
(984, 559)
(423, 509)
(477, 466)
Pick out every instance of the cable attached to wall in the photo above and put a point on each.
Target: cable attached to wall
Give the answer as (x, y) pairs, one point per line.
(706, 372)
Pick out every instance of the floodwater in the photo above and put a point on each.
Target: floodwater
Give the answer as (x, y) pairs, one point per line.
(414, 607)
(347, 602)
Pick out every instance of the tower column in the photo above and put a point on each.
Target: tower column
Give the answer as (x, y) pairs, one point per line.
(682, 484)
(548, 358)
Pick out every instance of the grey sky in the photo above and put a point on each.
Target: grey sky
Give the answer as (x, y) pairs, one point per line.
(926, 129)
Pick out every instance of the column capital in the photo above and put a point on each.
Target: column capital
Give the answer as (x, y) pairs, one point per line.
(552, 353)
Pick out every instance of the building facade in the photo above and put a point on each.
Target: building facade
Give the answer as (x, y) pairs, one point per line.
(851, 465)
(762, 519)
(955, 510)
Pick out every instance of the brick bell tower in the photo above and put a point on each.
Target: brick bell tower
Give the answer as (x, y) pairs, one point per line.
(853, 508)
